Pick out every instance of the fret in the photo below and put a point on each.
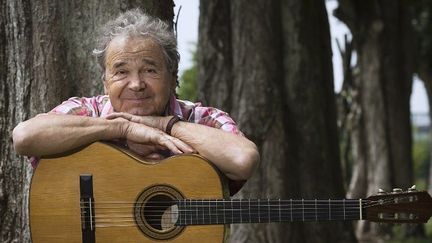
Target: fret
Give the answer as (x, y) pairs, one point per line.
(303, 210)
(316, 211)
(329, 206)
(280, 218)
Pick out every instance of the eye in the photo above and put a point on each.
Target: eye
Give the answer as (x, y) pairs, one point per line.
(151, 70)
(121, 72)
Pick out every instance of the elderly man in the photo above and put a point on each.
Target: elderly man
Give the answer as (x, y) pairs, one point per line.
(139, 58)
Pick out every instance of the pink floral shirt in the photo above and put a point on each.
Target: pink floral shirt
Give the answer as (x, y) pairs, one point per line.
(100, 106)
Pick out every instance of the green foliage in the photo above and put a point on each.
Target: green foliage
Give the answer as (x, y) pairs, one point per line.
(188, 89)
(421, 159)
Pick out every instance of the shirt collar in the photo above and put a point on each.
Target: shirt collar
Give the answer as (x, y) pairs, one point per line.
(174, 107)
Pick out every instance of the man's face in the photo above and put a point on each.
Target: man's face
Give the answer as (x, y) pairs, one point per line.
(137, 79)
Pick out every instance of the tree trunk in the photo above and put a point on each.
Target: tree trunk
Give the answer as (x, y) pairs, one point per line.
(425, 74)
(45, 57)
(282, 98)
(381, 34)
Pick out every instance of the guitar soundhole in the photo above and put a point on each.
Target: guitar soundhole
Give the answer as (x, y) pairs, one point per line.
(156, 212)
(159, 212)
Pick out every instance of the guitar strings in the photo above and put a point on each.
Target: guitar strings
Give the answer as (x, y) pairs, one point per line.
(262, 203)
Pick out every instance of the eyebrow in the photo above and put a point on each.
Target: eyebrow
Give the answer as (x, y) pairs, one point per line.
(149, 61)
(144, 60)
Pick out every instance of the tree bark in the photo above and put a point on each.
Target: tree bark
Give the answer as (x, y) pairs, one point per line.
(282, 98)
(215, 54)
(381, 34)
(45, 57)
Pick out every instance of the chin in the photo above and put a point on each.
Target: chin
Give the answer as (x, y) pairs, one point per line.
(140, 112)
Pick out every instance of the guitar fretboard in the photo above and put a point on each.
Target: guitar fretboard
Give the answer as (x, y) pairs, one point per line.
(205, 212)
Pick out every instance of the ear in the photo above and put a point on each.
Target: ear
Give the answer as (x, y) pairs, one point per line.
(105, 84)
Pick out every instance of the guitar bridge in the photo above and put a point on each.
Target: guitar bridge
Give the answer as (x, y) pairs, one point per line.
(87, 208)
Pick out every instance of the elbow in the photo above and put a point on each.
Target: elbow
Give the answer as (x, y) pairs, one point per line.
(20, 138)
(247, 164)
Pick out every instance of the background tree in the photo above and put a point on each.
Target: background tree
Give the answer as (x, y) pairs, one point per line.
(45, 57)
(382, 38)
(422, 21)
(269, 65)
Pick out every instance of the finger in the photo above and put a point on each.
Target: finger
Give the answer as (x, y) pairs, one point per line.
(175, 144)
(154, 156)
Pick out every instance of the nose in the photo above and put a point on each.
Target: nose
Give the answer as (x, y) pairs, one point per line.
(137, 83)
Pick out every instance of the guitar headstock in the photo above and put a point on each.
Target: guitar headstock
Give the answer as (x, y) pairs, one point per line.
(399, 206)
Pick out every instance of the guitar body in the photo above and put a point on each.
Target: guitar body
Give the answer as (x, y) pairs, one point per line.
(117, 176)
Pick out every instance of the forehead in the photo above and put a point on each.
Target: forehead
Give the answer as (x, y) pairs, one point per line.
(124, 49)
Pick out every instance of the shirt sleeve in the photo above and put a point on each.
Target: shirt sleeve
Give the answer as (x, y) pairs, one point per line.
(76, 106)
(216, 118)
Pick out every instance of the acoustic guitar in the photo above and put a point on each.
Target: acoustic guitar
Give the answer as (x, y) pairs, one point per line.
(103, 193)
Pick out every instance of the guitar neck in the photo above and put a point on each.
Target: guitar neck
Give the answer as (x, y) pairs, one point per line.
(206, 212)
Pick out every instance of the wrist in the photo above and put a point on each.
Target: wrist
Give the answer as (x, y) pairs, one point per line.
(171, 122)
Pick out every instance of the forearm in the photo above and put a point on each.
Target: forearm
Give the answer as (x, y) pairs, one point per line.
(234, 155)
(51, 133)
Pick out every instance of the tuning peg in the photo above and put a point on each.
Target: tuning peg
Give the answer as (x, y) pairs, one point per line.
(397, 190)
(412, 189)
(381, 191)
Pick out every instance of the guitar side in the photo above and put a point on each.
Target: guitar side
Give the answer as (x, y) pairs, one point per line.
(55, 214)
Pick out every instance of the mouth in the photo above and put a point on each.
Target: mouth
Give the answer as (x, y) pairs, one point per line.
(136, 98)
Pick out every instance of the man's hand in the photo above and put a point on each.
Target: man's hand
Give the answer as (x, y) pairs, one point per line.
(158, 122)
(140, 133)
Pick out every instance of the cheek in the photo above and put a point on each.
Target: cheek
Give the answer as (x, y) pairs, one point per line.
(115, 88)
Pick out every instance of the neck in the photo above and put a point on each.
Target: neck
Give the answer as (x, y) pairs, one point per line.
(205, 212)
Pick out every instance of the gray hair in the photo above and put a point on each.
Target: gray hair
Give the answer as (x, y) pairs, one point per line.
(135, 23)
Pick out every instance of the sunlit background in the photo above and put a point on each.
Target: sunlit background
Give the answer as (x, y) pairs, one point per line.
(188, 34)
